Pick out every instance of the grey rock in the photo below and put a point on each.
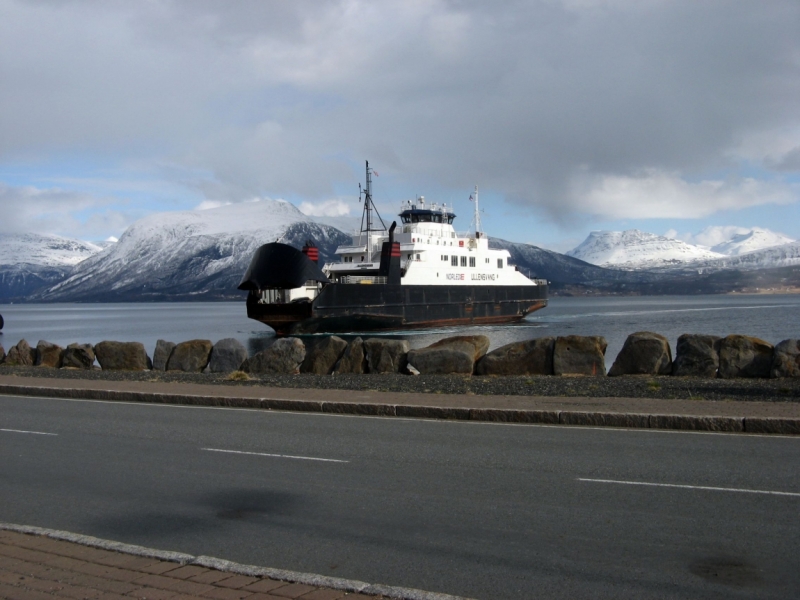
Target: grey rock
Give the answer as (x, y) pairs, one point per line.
(2, 354)
(786, 359)
(122, 356)
(227, 356)
(161, 354)
(696, 355)
(579, 355)
(454, 355)
(191, 356)
(48, 355)
(530, 357)
(744, 356)
(322, 357)
(78, 356)
(353, 360)
(386, 356)
(644, 353)
(21, 355)
(284, 356)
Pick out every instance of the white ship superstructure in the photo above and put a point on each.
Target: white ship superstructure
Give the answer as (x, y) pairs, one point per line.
(432, 252)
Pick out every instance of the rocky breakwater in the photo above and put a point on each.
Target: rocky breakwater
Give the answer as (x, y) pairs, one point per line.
(644, 353)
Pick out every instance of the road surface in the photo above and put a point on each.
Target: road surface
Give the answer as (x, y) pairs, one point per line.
(474, 509)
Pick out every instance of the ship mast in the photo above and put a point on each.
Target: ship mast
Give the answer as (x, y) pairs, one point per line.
(369, 206)
(477, 217)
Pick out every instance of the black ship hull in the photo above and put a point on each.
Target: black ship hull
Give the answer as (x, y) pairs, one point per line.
(342, 308)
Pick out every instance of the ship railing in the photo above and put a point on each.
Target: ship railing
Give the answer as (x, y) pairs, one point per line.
(365, 279)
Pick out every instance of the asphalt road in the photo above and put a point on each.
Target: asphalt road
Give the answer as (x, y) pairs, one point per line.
(480, 510)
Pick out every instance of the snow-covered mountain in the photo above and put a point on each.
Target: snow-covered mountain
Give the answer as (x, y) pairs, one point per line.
(44, 250)
(191, 254)
(755, 239)
(32, 261)
(634, 249)
(787, 255)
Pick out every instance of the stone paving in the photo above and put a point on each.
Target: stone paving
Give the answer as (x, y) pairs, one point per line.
(35, 567)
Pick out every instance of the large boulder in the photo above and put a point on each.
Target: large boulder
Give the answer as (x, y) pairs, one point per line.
(696, 355)
(386, 356)
(283, 357)
(353, 360)
(78, 356)
(454, 355)
(161, 354)
(122, 356)
(579, 355)
(191, 356)
(644, 353)
(530, 357)
(21, 355)
(48, 355)
(744, 356)
(227, 356)
(786, 359)
(322, 357)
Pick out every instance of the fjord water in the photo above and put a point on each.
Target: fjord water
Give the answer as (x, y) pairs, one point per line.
(770, 317)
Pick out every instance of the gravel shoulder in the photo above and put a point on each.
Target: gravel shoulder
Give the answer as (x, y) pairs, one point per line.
(638, 386)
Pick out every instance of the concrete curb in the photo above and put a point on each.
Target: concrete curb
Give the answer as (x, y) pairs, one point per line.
(209, 562)
(761, 425)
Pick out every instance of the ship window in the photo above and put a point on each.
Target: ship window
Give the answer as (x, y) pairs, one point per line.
(463, 261)
(487, 261)
(409, 257)
(499, 263)
(454, 261)
(444, 257)
(405, 219)
(471, 261)
(418, 257)
(362, 259)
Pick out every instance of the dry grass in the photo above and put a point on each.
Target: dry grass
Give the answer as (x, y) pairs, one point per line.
(238, 376)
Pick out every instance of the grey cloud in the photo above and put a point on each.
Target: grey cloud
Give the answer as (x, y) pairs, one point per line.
(53, 211)
(284, 98)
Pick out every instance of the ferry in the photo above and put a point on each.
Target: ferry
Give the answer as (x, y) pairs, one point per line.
(421, 274)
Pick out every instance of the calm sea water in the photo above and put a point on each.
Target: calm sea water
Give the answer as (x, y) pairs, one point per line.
(772, 318)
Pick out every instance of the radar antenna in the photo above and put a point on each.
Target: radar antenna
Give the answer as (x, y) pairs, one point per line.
(369, 206)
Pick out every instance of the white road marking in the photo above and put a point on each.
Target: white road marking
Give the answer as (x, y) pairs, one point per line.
(275, 455)
(23, 431)
(693, 487)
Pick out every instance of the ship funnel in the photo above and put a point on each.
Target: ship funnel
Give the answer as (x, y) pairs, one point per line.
(311, 251)
(390, 258)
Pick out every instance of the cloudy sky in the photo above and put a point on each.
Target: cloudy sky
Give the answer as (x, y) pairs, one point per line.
(571, 115)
